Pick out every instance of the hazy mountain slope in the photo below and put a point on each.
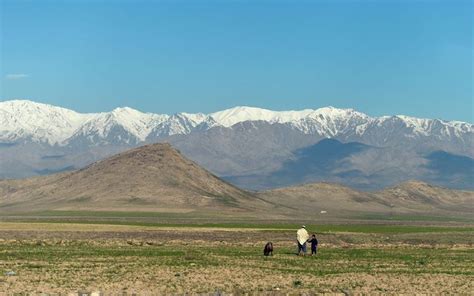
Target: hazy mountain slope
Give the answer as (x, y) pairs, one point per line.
(244, 148)
(364, 167)
(449, 170)
(322, 161)
(149, 177)
(30, 159)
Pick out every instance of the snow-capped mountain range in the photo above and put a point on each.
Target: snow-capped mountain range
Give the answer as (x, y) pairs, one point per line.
(23, 120)
(250, 147)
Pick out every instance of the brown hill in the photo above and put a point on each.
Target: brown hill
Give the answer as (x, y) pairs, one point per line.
(339, 201)
(326, 198)
(423, 196)
(151, 177)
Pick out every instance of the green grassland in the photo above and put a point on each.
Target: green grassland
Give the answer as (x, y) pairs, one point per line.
(175, 268)
(227, 257)
(215, 216)
(369, 223)
(370, 260)
(175, 253)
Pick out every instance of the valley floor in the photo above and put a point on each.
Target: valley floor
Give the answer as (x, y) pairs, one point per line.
(72, 258)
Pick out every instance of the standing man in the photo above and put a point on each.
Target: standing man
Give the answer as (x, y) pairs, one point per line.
(302, 236)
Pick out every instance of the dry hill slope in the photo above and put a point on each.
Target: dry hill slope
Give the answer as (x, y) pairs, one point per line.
(312, 198)
(417, 195)
(151, 177)
(407, 198)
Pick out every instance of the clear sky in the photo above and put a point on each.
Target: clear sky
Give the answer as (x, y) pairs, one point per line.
(379, 57)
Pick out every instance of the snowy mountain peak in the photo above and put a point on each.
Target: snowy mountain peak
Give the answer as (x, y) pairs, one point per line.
(125, 110)
(22, 107)
(136, 123)
(28, 120)
(196, 118)
(332, 111)
(239, 114)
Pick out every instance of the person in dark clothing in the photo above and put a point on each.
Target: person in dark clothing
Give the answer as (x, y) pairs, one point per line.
(314, 244)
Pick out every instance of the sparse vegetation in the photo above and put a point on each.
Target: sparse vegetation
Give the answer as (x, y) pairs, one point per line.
(167, 220)
(115, 258)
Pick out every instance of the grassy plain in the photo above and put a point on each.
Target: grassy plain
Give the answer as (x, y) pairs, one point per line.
(226, 257)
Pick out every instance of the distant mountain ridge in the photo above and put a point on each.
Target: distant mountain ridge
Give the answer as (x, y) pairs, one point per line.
(23, 120)
(254, 148)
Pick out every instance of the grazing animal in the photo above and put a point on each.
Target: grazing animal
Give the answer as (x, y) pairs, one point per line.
(268, 250)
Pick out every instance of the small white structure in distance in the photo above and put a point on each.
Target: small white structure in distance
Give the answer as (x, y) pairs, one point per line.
(323, 212)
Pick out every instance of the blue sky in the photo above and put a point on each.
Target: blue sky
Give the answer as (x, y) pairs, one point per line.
(379, 57)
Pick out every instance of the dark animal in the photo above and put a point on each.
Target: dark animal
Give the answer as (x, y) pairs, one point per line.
(268, 250)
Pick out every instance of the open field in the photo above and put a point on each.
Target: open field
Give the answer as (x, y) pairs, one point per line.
(227, 258)
(212, 218)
